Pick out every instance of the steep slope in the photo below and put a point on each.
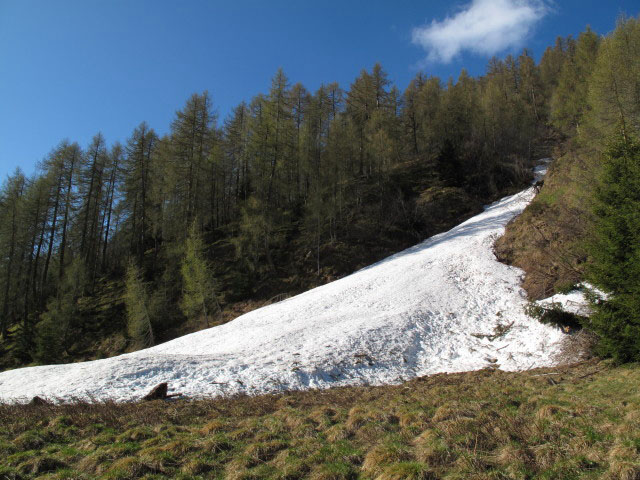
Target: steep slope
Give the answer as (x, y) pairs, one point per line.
(547, 240)
(445, 305)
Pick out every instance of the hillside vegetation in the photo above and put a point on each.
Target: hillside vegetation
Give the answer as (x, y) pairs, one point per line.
(584, 223)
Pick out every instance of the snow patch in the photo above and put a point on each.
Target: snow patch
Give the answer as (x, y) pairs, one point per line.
(573, 302)
(577, 300)
(444, 305)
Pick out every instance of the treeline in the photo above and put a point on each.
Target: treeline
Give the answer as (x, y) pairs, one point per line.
(290, 190)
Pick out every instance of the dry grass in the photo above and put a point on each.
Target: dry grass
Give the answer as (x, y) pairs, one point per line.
(476, 425)
(547, 240)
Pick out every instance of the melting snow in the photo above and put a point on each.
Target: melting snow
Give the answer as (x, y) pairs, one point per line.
(444, 305)
(574, 302)
(577, 300)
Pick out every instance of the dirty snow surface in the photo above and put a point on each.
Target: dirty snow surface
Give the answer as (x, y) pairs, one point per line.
(444, 305)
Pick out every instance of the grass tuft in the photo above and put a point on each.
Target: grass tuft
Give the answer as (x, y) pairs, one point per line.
(406, 471)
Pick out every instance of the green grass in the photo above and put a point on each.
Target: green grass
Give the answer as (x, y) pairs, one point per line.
(476, 425)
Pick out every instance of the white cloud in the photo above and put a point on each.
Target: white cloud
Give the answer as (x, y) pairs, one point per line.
(483, 26)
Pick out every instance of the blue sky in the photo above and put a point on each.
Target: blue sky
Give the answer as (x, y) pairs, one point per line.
(72, 68)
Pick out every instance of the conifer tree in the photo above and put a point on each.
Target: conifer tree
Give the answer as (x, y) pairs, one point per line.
(615, 253)
(91, 191)
(550, 67)
(236, 138)
(137, 303)
(139, 174)
(614, 89)
(252, 240)
(279, 138)
(300, 101)
(411, 116)
(61, 315)
(113, 175)
(191, 141)
(11, 201)
(198, 285)
(569, 101)
(428, 105)
(33, 224)
(72, 159)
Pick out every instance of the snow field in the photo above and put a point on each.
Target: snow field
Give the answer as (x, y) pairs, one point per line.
(444, 305)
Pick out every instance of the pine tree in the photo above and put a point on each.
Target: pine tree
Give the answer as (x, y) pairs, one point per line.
(411, 117)
(34, 222)
(615, 253)
(236, 138)
(199, 291)
(531, 87)
(428, 102)
(550, 67)
(279, 137)
(92, 169)
(300, 102)
(72, 160)
(60, 167)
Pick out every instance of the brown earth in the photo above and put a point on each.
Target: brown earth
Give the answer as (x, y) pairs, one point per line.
(547, 240)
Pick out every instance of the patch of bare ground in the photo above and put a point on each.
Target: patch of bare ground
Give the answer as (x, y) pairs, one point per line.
(546, 240)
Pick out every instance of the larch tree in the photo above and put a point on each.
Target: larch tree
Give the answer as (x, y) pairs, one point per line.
(138, 166)
(569, 100)
(11, 206)
(137, 302)
(199, 298)
(614, 89)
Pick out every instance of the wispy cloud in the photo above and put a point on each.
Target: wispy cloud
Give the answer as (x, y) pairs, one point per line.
(483, 26)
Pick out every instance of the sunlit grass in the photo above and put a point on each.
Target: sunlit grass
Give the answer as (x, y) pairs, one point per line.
(476, 425)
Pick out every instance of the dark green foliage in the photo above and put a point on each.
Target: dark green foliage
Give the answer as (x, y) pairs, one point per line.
(615, 252)
(555, 315)
(61, 316)
(449, 166)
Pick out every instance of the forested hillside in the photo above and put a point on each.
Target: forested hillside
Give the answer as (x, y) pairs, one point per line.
(584, 224)
(110, 247)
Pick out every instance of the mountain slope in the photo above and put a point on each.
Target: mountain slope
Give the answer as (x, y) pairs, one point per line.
(444, 305)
